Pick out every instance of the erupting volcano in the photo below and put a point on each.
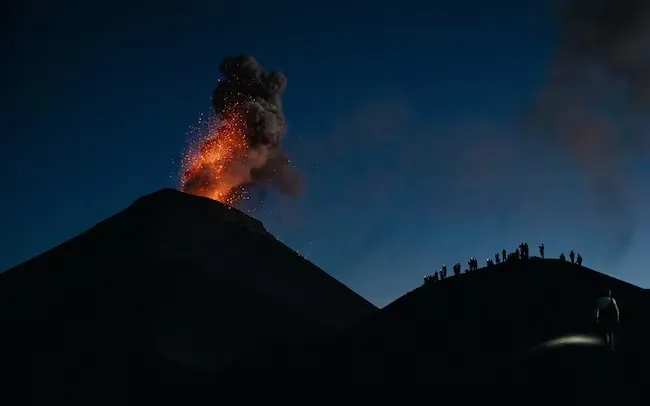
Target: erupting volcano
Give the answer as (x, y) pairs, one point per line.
(241, 147)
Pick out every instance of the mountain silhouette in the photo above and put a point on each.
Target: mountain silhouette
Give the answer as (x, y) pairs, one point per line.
(185, 300)
(526, 322)
(174, 288)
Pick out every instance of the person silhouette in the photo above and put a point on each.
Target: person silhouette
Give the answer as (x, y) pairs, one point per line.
(562, 257)
(541, 250)
(579, 260)
(572, 257)
(607, 318)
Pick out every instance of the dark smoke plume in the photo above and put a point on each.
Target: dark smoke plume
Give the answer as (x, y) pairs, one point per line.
(598, 97)
(256, 95)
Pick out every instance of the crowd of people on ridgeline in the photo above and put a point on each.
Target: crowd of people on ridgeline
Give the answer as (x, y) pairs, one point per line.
(521, 253)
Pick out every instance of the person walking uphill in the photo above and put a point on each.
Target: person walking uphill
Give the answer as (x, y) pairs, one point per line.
(607, 318)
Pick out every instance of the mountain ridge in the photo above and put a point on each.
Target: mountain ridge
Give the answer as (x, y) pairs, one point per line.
(175, 286)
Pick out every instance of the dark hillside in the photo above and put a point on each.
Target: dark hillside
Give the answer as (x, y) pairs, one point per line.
(486, 324)
(169, 291)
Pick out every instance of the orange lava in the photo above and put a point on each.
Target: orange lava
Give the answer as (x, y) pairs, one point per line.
(217, 167)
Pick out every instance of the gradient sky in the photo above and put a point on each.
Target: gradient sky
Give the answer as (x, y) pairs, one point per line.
(404, 117)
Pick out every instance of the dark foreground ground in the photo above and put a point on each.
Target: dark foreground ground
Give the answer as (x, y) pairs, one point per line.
(528, 323)
(149, 308)
(521, 332)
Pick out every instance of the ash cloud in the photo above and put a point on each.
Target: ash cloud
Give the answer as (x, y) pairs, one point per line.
(256, 94)
(597, 98)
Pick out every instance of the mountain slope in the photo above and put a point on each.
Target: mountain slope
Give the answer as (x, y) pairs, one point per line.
(488, 324)
(175, 287)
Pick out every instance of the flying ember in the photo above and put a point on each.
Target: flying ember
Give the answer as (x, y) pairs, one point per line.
(217, 165)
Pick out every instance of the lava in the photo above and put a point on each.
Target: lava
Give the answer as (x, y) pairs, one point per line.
(217, 165)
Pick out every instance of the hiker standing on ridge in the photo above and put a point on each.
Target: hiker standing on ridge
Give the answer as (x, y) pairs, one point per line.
(572, 257)
(562, 257)
(497, 259)
(579, 260)
(457, 269)
(522, 248)
(504, 255)
(541, 250)
(443, 271)
(607, 318)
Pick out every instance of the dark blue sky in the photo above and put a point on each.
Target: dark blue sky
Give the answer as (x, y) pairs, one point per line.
(404, 117)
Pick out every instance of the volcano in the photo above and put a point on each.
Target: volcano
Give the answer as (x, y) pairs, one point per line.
(184, 300)
(173, 289)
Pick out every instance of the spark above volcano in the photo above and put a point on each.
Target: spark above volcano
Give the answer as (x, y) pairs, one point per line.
(241, 146)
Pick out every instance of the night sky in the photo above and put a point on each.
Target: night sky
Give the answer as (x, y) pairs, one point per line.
(407, 119)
